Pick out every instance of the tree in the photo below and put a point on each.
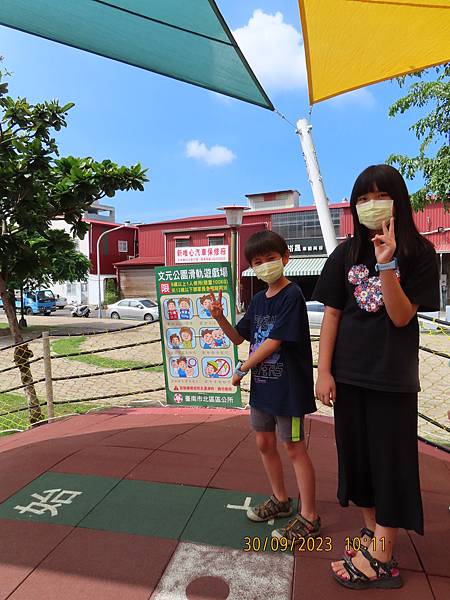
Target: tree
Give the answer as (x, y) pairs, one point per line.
(432, 129)
(38, 186)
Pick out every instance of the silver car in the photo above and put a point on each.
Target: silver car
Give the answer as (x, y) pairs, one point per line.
(315, 313)
(61, 301)
(134, 308)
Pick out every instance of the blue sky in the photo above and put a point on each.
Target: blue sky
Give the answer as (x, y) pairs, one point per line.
(130, 115)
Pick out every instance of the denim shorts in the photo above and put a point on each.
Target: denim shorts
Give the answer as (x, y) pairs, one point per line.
(290, 429)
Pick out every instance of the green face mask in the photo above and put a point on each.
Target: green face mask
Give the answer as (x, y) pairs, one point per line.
(371, 214)
(270, 271)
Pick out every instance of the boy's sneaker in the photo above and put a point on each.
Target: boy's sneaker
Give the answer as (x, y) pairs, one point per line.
(270, 509)
(298, 528)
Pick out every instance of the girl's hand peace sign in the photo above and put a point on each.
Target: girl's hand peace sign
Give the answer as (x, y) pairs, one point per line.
(385, 244)
(216, 308)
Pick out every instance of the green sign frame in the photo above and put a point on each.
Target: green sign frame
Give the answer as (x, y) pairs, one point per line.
(199, 360)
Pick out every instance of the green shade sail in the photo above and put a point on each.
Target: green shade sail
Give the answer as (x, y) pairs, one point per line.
(183, 39)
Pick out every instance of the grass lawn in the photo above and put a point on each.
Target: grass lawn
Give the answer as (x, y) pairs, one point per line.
(19, 420)
(73, 345)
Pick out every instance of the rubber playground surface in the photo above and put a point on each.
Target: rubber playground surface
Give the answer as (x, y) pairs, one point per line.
(143, 503)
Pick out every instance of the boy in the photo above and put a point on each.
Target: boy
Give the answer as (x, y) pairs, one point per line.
(280, 361)
(181, 367)
(185, 308)
(219, 338)
(172, 310)
(212, 369)
(175, 341)
(205, 302)
(207, 339)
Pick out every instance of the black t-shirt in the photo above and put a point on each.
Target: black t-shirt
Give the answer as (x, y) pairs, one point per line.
(282, 385)
(370, 350)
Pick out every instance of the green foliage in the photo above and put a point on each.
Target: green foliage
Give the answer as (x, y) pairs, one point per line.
(38, 186)
(111, 293)
(433, 132)
(73, 345)
(19, 420)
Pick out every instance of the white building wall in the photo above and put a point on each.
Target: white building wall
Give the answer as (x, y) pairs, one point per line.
(76, 292)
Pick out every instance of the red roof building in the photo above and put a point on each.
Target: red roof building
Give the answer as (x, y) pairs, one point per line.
(158, 242)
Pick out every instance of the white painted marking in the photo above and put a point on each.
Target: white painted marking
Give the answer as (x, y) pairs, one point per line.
(48, 503)
(248, 574)
(246, 506)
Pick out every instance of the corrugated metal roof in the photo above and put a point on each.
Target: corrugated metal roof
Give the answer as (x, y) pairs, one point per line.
(252, 213)
(298, 267)
(141, 260)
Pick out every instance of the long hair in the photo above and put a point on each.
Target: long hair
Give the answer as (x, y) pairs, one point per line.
(384, 178)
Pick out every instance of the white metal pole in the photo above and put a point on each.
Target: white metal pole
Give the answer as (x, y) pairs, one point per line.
(98, 265)
(98, 277)
(315, 179)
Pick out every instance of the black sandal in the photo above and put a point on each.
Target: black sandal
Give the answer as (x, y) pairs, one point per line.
(387, 575)
(356, 542)
(351, 552)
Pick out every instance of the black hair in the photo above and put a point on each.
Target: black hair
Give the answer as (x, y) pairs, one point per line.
(385, 178)
(264, 242)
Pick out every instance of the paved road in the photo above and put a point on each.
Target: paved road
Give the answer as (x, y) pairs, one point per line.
(62, 323)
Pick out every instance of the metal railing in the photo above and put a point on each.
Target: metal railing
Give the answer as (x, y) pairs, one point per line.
(50, 377)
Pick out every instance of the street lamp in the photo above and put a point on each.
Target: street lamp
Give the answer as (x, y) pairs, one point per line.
(126, 225)
(234, 215)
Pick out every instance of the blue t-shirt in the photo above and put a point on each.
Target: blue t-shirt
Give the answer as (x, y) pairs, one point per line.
(282, 385)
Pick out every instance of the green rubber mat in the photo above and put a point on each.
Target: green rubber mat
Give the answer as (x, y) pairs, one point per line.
(188, 513)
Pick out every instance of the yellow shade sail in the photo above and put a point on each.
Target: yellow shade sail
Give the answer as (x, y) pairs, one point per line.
(353, 43)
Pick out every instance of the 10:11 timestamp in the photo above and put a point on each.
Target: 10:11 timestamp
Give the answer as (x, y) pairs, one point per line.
(355, 544)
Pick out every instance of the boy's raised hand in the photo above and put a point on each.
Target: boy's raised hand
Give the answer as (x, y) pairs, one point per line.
(216, 308)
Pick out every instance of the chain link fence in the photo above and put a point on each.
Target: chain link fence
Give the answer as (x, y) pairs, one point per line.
(51, 377)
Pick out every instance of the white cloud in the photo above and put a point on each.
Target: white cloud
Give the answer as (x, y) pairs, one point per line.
(274, 50)
(361, 97)
(214, 156)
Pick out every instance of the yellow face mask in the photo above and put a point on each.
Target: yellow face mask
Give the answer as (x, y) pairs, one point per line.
(269, 271)
(371, 214)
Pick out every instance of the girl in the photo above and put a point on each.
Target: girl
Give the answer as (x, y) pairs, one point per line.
(372, 286)
(186, 337)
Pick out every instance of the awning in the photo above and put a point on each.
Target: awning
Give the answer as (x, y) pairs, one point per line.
(187, 40)
(352, 43)
(297, 267)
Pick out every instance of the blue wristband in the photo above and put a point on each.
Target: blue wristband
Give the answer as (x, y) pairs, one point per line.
(386, 266)
(238, 371)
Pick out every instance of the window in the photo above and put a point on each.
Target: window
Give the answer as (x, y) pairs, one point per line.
(182, 242)
(216, 240)
(302, 225)
(123, 246)
(44, 295)
(135, 304)
(71, 289)
(124, 303)
(148, 303)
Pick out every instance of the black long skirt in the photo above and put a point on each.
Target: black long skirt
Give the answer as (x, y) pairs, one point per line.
(376, 438)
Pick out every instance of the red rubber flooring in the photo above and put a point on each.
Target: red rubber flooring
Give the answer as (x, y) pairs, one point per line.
(147, 503)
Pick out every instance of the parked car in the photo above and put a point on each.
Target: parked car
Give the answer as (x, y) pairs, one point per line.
(134, 308)
(315, 313)
(36, 302)
(61, 302)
